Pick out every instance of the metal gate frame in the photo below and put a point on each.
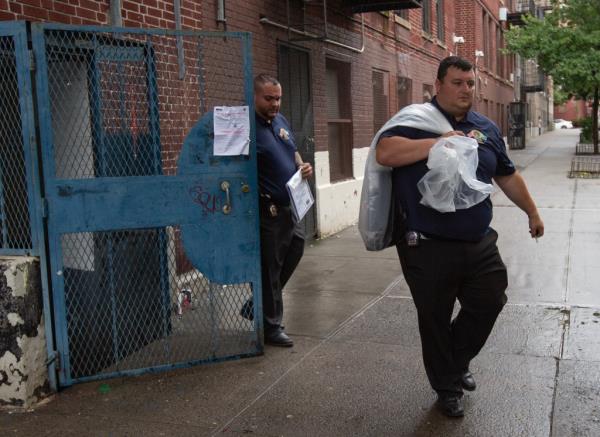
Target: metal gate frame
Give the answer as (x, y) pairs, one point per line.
(18, 31)
(24, 64)
(54, 292)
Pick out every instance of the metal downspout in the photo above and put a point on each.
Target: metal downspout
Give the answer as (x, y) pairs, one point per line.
(115, 13)
(221, 14)
(180, 55)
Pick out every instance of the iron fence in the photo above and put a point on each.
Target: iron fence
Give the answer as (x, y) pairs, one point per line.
(584, 149)
(585, 167)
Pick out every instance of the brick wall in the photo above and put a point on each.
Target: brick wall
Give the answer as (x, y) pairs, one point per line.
(494, 88)
(572, 110)
(139, 13)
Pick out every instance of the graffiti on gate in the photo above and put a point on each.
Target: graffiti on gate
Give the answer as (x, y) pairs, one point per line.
(208, 201)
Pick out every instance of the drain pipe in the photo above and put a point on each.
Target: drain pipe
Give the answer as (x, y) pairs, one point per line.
(115, 13)
(265, 20)
(180, 56)
(221, 14)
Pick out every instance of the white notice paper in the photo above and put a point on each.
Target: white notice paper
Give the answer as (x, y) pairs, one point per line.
(232, 130)
(300, 195)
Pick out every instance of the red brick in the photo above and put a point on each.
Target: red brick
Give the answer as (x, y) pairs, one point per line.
(35, 3)
(133, 16)
(16, 7)
(86, 14)
(154, 12)
(64, 8)
(35, 13)
(130, 6)
(89, 4)
(57, 17)
(151, 21)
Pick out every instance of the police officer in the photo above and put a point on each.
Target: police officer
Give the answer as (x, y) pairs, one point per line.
(281, 239)
(450, 256)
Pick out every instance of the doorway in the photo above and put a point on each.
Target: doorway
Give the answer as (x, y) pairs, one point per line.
(296, 106)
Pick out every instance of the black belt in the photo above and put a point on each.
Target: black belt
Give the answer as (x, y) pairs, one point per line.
(413, 237)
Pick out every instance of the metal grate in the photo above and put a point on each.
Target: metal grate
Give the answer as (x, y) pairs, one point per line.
(127, 307)
(584, 149)
(585, 167)
(119, 106)
(15, 227)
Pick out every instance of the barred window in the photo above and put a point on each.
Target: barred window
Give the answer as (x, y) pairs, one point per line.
(426, 11)
(440, 19)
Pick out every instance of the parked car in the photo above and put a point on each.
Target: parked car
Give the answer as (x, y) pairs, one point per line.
(559, 123)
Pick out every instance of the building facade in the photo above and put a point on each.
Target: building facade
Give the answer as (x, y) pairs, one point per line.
(344, 71)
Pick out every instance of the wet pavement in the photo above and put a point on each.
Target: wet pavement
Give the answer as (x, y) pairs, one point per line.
(356, 369)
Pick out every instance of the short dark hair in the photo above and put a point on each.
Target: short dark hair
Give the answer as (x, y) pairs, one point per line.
(263, 79)
(452, 61)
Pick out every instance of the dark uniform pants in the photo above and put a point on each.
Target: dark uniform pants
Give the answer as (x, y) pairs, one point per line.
(438, 272)
(282, 247)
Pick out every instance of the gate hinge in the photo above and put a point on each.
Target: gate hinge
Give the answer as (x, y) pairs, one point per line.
(53, 357)
(31, 60)
(44, 208)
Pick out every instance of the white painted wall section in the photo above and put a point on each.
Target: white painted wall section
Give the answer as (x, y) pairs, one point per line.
(338, 202)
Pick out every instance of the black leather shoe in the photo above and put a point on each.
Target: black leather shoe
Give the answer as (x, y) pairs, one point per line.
(278, 338)
(451, 405)
(247, 311)
(467, 381)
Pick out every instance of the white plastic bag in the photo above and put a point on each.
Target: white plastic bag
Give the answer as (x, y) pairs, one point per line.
(451, 182)
(377, 211)
(376, 214)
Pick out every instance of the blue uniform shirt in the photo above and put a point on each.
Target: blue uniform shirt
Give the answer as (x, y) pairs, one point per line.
(276, 151)
(465, 224)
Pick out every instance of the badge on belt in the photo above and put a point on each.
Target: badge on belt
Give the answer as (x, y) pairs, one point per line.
(273, 210)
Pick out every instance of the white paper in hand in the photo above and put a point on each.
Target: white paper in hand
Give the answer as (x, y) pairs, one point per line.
(301, 197)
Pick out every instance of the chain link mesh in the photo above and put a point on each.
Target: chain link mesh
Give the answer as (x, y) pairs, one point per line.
(121, 105)
(128, 307)
(15, 227)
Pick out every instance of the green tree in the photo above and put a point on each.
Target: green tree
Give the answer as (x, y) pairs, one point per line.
(566, 46)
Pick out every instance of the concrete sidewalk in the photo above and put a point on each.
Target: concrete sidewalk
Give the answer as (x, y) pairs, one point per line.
(356, 368)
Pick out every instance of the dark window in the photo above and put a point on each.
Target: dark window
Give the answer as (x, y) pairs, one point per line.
(499, 55)
(486, 37)
(381, 99)
(426, 11)
(404, 92)
(402, 13)
(339, 119)
(440, 19)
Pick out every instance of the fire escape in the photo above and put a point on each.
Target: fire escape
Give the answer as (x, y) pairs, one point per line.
(532, 78)
(309, 20)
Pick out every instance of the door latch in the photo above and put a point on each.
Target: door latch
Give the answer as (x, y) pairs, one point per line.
(225, 187)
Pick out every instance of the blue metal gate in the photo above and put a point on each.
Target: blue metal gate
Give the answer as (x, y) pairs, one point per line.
(153, 240)
(20, 209)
